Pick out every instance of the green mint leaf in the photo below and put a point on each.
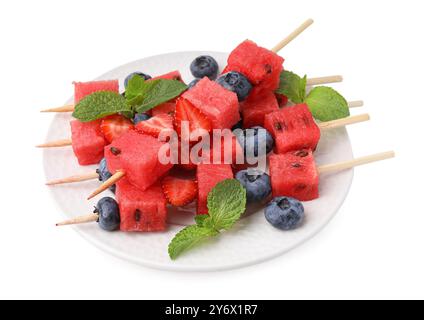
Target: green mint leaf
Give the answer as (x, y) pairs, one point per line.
(144, 95)
(292, 86)
(327, 104)
(136, 90)
(158, 92)
(226, 204)
(99, 105)
(201, 219)
(188, 238)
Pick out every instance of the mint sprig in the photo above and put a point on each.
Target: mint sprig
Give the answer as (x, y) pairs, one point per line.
(327, 104)
(140, 96)
(188, 238)
(99, 105)
(226, 204)
(144, 95)
(292, 86)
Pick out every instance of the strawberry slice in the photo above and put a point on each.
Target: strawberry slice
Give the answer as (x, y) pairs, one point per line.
(179, 192)
(154, 126)
(115, 126)
(185, 111)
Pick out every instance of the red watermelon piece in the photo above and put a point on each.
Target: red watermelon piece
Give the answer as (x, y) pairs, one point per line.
(167, 108)
(261, 66)
(218, 104)
(294, 174)
(225, 152)
(293, 128)
(141, 211)
(208, 176)
(174, 75)
(88, 141)
(83, 89)
(138, 156)
(257, 106)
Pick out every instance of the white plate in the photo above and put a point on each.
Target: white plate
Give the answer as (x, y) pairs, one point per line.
(252, 241)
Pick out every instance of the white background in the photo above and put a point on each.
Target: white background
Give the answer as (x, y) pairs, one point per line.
(374, 246)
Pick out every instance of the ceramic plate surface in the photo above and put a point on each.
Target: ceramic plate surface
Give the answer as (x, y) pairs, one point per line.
(252, 241)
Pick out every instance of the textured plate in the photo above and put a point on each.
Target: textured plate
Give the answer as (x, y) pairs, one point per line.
(252, 241)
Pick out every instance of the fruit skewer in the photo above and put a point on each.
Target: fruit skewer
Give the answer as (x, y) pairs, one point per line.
(324, 169)
(119, 174)
(310, 82)
(68, 142)
(95, 175)
(277, 48)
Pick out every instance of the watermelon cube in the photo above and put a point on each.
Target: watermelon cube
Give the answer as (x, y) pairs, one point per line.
(88, 141)
(257, 106)
(218, 104)
(294, 174)
(141, 211)
(138, 156)
(226, 151)
(261, 66)
(83, 89)
(208, 176)
(293, 128)
(167, 107)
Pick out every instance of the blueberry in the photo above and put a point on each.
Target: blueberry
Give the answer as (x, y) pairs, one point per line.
(256, 183)
(108, 210)
(237, 83)
(139, 117)
(204, 66)
(141, 74)
(285, 213)
(104, 173)
(193, 83)
(253, 141)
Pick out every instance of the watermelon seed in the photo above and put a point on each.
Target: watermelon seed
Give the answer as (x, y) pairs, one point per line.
(115, 151)
(300, 187)
(278, 126)
(137, 215)
(301, 153)
(296, 165)
(268, 68)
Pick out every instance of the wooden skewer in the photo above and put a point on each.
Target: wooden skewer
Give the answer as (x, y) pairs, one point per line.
(93, 217)
(108, 183)
(344, 121)
(329, 168)
(292, 35)
(355, 162)
(324, 80)
(73, 179)
(56, 144)
(67, 108)
(355, 104)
